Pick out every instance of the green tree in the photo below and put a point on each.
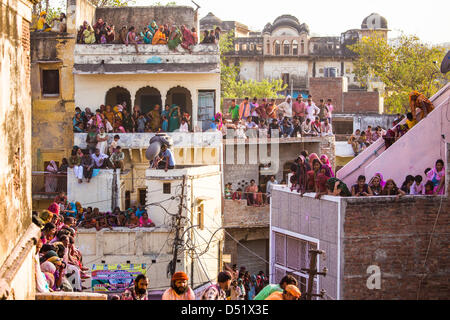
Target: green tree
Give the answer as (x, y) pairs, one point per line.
(233, 88)
(402, 65)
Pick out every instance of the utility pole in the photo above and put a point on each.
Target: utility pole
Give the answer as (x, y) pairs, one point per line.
(312, 271)
(177, 241)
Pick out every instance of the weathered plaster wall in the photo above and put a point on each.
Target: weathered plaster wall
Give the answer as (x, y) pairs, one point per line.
(140, 17)
(15, 136)
(52, 116)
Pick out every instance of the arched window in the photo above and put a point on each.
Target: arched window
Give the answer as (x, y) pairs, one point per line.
(302, 47)
(276, 48)
(244, 47)
(295, 48)
(236, 47)
(286, 48)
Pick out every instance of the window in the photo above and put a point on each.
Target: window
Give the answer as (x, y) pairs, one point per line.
(201, 216)
(50, 82)
(285, 78)
(142, 196)
(277, 48)
(259, 47)
(244, 47)
(252, 47)
(167, 188)
(321, 70)
(127, 199)
(286, 48)
(236, 47)
(302, 47)
(295, 48)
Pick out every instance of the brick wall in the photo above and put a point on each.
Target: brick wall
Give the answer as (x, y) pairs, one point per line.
(361, 101)
(140, 17)
(327, 88)
(236, 214)
(395, 235)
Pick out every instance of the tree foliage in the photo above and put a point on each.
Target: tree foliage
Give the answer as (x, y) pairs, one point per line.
(402, 65)
(233, 88)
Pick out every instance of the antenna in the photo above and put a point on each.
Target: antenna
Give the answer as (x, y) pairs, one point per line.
(198, 7)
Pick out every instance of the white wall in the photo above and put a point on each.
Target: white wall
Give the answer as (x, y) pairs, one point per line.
(274, 68)
(96, 194)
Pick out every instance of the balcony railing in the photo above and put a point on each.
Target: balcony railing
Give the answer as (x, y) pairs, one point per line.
(48, 184)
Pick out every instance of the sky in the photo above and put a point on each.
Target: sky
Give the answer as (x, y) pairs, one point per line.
(427, 19)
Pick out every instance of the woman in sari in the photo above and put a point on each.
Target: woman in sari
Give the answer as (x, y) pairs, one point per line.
(51, 181)
(313, 175)
(147, 36)
(174, 38)
(159, 37)
(188, 39)
(324, 159)
(337, 188)
(382, 182)
(153, 27)
(109, 114)
(375, 185)
(418, 100)
(155, 118)
(89, 35)
(437, 177)
(321, 181)
(174, 118)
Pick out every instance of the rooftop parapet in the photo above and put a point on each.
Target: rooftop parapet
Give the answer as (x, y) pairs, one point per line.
(118, 58)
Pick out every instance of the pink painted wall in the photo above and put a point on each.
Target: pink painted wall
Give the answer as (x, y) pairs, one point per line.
(412, 154)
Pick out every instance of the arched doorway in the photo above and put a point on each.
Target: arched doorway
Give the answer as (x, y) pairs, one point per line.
(118, 95)
(146, 98)
(181, 97)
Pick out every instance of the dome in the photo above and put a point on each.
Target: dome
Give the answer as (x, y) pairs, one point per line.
(286, 20)
(210, 19)
(374, 21)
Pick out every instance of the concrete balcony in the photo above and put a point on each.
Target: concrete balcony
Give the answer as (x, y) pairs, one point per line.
(119, 58)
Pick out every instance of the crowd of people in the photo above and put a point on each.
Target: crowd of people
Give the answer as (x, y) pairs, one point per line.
(313, 174)
(253, 193)
(172, 36)
(58, 24)
(291, 118)
(88, 217)
(118, 119)
(231, 284)
(420, 107)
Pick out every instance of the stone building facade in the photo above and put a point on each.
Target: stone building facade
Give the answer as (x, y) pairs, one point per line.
(18, 235)
(285, 50)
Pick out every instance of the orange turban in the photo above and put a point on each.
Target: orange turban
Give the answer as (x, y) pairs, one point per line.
(180, 275)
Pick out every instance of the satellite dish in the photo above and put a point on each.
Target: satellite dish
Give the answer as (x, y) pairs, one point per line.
(445, 66)
(155, 145)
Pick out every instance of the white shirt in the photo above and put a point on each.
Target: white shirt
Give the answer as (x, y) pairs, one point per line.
(99, 160)
(312, 111)
(326, 130)
(286, 108)
(184, 127)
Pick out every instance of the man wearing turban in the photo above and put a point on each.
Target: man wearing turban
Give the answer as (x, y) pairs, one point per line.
(179, 289)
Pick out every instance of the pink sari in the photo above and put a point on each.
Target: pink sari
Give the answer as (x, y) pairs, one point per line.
(436, 177)
(326, 162)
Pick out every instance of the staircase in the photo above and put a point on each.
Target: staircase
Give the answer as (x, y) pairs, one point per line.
(417, 150)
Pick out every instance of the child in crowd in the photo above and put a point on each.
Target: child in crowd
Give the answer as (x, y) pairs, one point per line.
(418, 187)
(141, 123)
(113, 145)
(133, 222)
(237, 195)
(406, 186)
(228, 191)
(361, 189)
(429, 188)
